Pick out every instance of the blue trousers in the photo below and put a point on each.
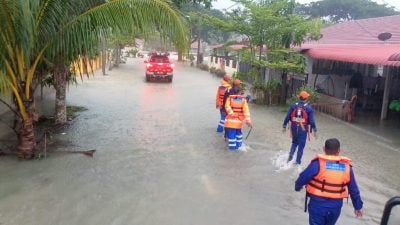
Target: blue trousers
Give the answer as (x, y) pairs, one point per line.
(322, 215)
(235, 137)
(299, 138)
(220, 127)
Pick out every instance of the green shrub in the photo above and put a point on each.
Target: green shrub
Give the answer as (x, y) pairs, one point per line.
(313, 95)
(395, 105)
(220, 72)
(267, 92)
(212, 69)
(238, 75)
(203, 67)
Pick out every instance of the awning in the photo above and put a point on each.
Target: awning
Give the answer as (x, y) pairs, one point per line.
(375, 54)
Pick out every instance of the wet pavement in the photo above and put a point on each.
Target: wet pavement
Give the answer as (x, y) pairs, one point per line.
(160, 161)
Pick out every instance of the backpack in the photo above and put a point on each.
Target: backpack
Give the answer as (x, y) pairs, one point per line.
(299, 114)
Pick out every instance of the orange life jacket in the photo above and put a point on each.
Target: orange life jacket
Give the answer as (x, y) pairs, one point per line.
(222, 89)
(237, 110)
(332, 178)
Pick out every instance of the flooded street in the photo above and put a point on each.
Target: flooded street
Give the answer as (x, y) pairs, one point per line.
(159, 161)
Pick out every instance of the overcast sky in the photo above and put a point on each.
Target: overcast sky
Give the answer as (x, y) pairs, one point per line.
(223, 4)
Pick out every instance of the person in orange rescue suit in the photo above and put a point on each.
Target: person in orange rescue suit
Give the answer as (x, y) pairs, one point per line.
(301, 117)
(238, 113)
(329, 178)
(219, 100)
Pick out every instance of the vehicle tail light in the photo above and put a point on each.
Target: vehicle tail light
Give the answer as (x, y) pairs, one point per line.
(172, 65)
(148, 65)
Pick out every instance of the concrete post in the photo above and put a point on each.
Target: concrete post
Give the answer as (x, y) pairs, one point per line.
(386, 92)
(309, 66)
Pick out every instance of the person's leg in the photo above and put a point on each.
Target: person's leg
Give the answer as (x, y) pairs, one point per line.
(316, 215)
(294, 142)
(220, 127)
(333, 216)
(302, 139)
(239, 138)
(231, 134)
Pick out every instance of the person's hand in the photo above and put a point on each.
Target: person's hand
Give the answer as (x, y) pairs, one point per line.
(315, 135)
(284, 130)
(359, 213)
(249, 124)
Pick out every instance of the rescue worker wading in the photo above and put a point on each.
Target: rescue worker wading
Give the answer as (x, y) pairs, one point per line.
(224, 87)
(329, 178)
(301, 117)
(238, 113)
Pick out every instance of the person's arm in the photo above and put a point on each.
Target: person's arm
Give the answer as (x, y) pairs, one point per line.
(287, 117)
(355, 194)
(227, 105)
(307, 174)
(246, 113)
(217, 102)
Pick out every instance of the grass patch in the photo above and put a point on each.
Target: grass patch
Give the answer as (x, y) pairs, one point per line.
(73, 111)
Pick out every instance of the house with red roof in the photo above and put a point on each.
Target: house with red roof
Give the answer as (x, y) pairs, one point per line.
(357, 60)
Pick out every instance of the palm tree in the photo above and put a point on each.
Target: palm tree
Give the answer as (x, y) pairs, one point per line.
(35, 30)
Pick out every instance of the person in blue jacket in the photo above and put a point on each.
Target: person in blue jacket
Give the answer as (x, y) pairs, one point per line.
(329, 178)
(301, 117)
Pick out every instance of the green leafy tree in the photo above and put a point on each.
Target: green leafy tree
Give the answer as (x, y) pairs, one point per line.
(200, 29)
(342, 10)
(271, 23)
(36, 30)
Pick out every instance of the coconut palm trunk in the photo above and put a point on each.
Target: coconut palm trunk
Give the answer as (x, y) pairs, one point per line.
(26, 139)
(25, 126)
(60, 85)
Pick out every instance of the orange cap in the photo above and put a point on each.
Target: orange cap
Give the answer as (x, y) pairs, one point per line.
(304, 94)
(237, 82)
(227, 77)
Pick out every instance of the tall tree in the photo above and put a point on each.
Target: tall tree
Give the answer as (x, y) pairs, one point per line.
(34, 29)
(342, 10)
(271, 23)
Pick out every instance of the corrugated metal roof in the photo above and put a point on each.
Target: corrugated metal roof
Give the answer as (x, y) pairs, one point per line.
(357, 41)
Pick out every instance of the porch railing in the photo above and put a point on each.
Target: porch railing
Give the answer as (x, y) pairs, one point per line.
(343, 111)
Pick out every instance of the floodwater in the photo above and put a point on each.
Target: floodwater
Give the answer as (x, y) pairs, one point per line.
(159, 161)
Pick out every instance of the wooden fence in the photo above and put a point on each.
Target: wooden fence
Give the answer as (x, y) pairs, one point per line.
(341, 109)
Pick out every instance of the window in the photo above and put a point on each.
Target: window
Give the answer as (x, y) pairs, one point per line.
(159, 59)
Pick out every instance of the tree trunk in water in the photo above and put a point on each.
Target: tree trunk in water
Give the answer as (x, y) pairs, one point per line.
(60, 84)
(26, 139)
